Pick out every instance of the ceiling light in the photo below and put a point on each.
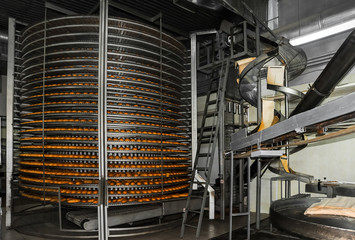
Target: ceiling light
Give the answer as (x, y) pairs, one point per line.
(326, 32)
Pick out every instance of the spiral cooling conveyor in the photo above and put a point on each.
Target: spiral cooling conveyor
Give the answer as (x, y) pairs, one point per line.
(147, 131)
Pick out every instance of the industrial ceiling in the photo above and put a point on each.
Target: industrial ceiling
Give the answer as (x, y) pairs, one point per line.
(181, 15)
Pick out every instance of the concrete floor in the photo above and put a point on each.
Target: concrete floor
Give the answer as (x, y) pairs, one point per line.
(210, 228)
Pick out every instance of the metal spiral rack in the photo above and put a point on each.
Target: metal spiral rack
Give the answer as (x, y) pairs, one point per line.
(148, 155)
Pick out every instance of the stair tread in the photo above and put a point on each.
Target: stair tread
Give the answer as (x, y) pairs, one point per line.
(204, 154)
(191, 226)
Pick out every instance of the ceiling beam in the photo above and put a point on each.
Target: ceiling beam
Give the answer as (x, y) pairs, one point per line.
(153, 19)
(59, 9)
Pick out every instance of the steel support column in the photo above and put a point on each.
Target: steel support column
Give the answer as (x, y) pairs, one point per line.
(247, 213)
(258, 194)
(287, 150)
(102, 121)
(9, 119)
(193, 97)
(241, 186)
(259, 109)
(248, 196)
(222, 166)
(241, 163)
(194, 126)
(231, 195)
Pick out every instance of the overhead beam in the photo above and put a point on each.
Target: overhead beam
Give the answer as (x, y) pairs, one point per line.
(141, 15)
(59, 9)
(336, 108)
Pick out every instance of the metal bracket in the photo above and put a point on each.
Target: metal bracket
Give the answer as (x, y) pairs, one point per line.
(266, 153)
(300, 130)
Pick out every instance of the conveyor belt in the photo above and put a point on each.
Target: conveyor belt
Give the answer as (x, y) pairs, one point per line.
(288, 215)
(147, 129)
(293, 57)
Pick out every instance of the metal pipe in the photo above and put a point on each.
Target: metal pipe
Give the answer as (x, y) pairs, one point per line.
(340, 64)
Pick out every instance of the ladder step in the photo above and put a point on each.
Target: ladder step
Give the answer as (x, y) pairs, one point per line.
(206, 139)
(211, 114)
(207, 128)
(197, 196)
(214, 78)
(201, 183)
(212, 102)
(204, 154)
(213, 90)
(208, 136)
(202, 169)
(195, 211)
(191, 226)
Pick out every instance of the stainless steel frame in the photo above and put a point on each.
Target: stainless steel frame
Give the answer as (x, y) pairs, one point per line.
(241, 186)
(9, 119)
(102, 122)
(298, 123)
(37, 87)
(32, 88)
(259, 154)
(336, 108)
(0, 141)
(194, 125)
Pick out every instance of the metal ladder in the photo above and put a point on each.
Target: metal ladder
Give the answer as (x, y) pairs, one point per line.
(198, 171)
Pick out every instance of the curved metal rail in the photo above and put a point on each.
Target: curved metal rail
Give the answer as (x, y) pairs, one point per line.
(148, 148)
